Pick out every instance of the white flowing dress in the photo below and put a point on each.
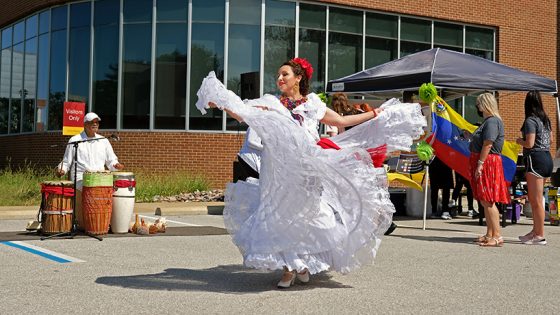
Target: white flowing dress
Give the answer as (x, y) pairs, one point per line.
(314, 208)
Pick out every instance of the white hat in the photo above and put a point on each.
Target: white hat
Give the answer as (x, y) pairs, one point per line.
(91, 116)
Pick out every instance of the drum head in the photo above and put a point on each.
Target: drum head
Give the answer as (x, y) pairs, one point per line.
(65, 183)
(122, 173)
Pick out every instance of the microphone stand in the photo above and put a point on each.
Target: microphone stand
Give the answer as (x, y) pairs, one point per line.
(74, 229)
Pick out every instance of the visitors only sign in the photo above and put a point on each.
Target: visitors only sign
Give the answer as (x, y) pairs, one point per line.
(73, 118)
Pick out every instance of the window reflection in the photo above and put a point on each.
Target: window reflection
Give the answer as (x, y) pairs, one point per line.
(312, 46)
(78, 63)
(42, 82)
(57, 85)
(5, 78)
(207, 54)
(17, 91)
(29, 90)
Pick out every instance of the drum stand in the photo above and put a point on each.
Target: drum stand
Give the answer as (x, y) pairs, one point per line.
(74, 229)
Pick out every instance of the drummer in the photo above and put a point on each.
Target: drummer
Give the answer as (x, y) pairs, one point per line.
(92, 155)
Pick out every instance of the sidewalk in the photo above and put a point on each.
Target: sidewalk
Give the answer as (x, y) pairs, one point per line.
(165, 209)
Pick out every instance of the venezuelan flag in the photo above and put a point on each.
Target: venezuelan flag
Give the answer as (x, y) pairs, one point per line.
(453, 149)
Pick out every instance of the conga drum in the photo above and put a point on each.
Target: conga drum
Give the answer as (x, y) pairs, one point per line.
(97, 202)
(56, 206)
(124, 194)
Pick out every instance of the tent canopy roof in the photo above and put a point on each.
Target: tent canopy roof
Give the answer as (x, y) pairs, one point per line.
(456, 73)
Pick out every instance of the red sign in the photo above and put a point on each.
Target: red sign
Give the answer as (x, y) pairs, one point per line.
(73, 118)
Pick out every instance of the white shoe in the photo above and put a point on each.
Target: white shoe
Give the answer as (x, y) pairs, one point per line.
(288, 283)
(303, 277)
(446, 216)
(536, 240)
(470, 213)
(451, 203)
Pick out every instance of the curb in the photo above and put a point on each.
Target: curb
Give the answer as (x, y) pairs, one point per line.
(156, 208)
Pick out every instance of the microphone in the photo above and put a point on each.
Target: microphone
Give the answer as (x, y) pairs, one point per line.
(114, 137)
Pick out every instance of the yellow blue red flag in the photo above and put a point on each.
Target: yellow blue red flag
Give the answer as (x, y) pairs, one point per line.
(453, 149)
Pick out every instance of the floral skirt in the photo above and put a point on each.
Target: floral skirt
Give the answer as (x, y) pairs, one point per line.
(491, 186)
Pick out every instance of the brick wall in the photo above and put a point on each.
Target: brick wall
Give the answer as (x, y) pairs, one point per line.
(210, 155)
(527, 39)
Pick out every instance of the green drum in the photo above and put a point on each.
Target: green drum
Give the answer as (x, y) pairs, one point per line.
(98, 179)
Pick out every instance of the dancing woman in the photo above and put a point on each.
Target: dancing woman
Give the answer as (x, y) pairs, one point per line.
(311, 209)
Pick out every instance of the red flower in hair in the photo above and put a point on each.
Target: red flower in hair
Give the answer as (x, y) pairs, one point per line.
(305, 65)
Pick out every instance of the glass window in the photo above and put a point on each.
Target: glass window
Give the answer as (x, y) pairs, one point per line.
(19, 32)
(31, 27)
(479, 38)
(244, 53)
(481, 53)
(59, 18)
(471, 114)
(106, 12)
(207, 54)
(137, 11)
(380, 50)
(137, 51)
(343, 20)
(80, 14)
(57, 83)
(171, 76)
(42, 82)
(78, 63)
(280, 13)
(171, 10)
(44, 21)
(5, 78)
(408, 48)
(382, 25)
(6, 37)
(345, 55)
(448, 34)
(105, 73)
(416, 30)
(17, 88)
(279, 40)
(312, 42)
(312, 16)
(29, 85)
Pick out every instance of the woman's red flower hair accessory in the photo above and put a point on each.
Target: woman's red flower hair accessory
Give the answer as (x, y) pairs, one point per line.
(305, 65)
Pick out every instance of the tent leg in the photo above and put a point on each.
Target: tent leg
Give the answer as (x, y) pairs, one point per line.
(427, 177)
(557, 113)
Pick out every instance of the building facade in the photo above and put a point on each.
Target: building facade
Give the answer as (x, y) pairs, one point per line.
(139, 63)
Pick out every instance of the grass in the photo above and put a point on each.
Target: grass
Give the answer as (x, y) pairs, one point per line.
(21, 187)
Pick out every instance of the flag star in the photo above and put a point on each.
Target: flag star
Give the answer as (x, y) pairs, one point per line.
(448, 141)
(456, 138)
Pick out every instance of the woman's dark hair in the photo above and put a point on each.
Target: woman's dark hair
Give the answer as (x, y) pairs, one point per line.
(534, 107)
(298, 70)
(341, 105)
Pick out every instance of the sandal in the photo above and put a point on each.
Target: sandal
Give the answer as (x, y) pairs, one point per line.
(498, 242)
(481, 239)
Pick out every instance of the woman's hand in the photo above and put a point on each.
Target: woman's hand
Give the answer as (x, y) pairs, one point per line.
(519, 141)
(261, 107)
(467, 135)
(212, 105)
(478, 171)
(378, 111)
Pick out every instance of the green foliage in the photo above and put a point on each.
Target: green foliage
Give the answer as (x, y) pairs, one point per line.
(22, 187)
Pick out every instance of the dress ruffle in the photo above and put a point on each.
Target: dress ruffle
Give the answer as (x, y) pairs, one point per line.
(311, 208)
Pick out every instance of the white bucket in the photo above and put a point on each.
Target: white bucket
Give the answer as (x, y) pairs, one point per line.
(124, 193)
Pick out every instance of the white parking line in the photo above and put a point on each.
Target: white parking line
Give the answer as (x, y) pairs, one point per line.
(171, 221)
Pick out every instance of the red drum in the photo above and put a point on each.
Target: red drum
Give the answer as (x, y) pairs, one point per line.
(97, 200)
(56, 206)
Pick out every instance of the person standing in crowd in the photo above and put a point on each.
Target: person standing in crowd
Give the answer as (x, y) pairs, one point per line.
(299, 217)
(535, 140)
(92, 156)
(249, 156)
(487, 174)
(441, 177)
(461, 182)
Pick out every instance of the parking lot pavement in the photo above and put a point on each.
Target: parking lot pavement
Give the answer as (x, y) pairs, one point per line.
(436, 271)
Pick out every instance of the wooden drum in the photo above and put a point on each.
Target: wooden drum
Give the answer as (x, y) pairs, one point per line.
(97, 201)
(56, 206)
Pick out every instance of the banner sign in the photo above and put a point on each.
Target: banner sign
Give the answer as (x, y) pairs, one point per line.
(73, 118)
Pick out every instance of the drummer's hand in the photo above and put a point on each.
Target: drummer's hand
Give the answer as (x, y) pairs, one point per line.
(59, 172)
(118, 166)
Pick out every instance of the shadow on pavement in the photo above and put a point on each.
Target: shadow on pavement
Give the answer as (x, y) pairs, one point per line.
(223, 279)
(431, 238)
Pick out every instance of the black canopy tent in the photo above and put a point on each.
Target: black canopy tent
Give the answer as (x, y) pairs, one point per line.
(456, 74)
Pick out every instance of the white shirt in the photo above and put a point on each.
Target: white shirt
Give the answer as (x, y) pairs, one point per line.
(92, 156)
(251, 150)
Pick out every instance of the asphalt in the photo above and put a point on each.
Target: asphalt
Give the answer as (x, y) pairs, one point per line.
(155, 208)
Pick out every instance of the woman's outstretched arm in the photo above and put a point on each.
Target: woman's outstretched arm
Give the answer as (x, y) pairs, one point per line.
(334, 119)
